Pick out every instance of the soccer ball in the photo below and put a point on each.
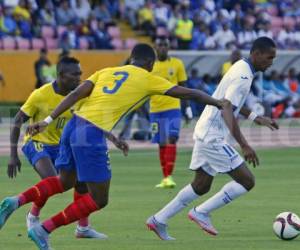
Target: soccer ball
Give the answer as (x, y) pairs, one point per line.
(286, 226)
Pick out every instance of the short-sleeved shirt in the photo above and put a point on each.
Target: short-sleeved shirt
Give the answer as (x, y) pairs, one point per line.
(40, 103)
(173, 70)
(118, 91)
(234, 86)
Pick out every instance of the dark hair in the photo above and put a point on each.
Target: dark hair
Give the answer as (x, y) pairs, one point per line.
(43, 50)
(263, 44)
(162, 38)
(66, 61)
(142, 52)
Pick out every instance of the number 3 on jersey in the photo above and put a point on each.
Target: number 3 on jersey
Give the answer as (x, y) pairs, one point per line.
(118, 83)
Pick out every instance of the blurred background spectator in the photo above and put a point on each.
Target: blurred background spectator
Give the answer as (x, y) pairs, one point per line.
(38, 67)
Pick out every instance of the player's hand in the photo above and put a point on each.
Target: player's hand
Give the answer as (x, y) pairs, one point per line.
(122, 145)
(250, 155)
(14, 166)
(188, 114)
(36, 128)
(266, 121)
(224, 104)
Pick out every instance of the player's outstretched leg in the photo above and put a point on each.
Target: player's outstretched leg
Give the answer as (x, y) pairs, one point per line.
(78, 209)
(7, 207)
(203, 220)
(38, 193)
(158, 228)
(40, 237)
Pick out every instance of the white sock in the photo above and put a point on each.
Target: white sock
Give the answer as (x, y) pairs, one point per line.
(182, 199)
(228, 193)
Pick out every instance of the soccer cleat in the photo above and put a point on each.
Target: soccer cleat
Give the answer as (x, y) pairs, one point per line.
(167, 182)
(170, 183)
(31, 220)
(158, 228)
(40, 237)
(203, 220)
(7, 207)
(89, 233)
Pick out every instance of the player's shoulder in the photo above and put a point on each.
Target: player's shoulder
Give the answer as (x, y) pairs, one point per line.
(242, 70)
(43, 90)
(176, 60)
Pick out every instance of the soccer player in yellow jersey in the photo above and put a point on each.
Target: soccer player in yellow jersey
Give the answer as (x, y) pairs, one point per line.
(42, 149)
(109, 94)
(165, 111)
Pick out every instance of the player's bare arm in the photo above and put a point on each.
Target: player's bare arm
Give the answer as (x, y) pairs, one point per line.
(82, 91)
(234, 128)
(260, 120)
(188, 113)
(120, 144)
(192, 94)
(14, 164)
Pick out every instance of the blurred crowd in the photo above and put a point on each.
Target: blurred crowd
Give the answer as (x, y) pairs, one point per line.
(192, 24)
(218, 24)
(62, 22)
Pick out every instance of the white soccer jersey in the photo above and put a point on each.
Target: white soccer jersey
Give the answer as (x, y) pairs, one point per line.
(234, 86)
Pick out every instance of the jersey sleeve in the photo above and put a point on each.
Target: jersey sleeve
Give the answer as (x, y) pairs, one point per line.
(181, 74)
(237, 90)
(158, 85)
(31, 105)
(94, 77)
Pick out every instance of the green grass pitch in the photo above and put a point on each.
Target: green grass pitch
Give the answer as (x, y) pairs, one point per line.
(246, 224)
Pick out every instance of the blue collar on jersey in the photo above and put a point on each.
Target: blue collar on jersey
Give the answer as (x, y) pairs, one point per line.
(55, 87)
(250, 65)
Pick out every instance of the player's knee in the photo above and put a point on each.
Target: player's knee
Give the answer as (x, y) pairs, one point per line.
(249, 183)
(81, 188)
(200, 188)
(102, 203)
(173, 140)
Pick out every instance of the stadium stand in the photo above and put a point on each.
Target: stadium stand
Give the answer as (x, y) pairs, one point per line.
(191, 24)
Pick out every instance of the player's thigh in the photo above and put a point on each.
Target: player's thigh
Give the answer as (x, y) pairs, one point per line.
(243, 176)
(99, 192)
(45, 168)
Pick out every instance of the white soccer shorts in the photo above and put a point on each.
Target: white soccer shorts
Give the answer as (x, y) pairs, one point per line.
(215, 157)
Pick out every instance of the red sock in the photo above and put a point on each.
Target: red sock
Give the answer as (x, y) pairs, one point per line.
(80, 208)
(35, 210)
(40, 192)
(162, 153)
(84, 222)
(170, 157)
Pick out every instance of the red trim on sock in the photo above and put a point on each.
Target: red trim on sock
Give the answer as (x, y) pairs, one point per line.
(84, 222)
(40, 192)
(170, 157)
(162, 153)
(78, 209)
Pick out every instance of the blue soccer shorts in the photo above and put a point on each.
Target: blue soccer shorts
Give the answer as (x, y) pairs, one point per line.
(83, 148)
(34, 151)
(164, 125)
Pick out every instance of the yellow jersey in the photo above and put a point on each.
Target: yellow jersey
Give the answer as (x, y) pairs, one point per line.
(40, 103)
(118, 91)
(173, 70)
(225, 67)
